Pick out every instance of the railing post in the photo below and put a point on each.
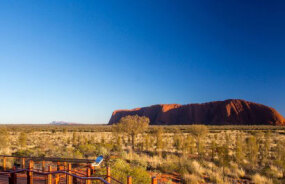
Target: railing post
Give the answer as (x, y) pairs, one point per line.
(153, 180)
(74, 180)
(65, 165)
(57, 179)
(57, 176)
(43, 165)
(23, 163)
(49, 176)
(108, 175)
(92, 169)
(57, 166)
(68, 177)
(88, 174)
(129, 180)
(4, 163)
(30, 173)
(13, 177)
(61, 168)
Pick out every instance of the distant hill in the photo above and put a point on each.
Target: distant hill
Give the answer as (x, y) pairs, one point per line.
(63, 123)
(228, 112)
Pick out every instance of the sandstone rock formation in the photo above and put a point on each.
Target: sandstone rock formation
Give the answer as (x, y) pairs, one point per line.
(228, 112)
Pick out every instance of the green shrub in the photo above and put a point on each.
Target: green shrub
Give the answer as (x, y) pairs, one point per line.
(121, 170)
(23, 153)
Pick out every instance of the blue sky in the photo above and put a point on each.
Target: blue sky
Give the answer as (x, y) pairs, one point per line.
(80, 60)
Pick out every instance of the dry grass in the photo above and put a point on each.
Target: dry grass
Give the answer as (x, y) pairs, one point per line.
(192, 179)
(170, 160)
(258, 179)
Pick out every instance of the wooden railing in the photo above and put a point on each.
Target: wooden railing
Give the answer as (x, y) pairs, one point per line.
(70, 178)
(53, 173)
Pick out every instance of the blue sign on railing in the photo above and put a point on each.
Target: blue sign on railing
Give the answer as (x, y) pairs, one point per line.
(98, 161)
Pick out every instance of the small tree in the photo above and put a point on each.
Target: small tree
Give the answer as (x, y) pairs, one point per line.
(189, 145)
(239, 153)
(213, 149)
(147, 142)
(159, 140)
(74, 139)
(64, 130)
(23, 139)
(118, 138)
(199, 132)
(264, 148)
(132, 126)
(178, 140)
(252, 150)
(224, 158)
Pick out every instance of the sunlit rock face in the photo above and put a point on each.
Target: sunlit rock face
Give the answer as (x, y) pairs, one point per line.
(228, 112)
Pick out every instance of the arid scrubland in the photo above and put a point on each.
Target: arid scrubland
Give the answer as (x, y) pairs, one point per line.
(194, 154)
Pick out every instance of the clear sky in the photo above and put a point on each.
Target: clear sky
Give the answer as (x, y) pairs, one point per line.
(78, 61)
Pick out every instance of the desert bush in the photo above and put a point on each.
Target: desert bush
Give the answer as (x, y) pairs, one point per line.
(178, 140)
(252, 150)
(88, 150)
(117, 148)
(146, 142)
(22, 153)
(264, 149)
(199, 132)
(213, 147)
(74, 139)
(102, 151)
(169, 167)
(223, 155)
(272, 172)
(195, 167)
(258, 179)
(121, 169)
(235, 170)
(77, 154)
(239, 149)
(192, 179)
(159, 140)
(22, 140)
(217, 178)
(280, 155)
(189, 145)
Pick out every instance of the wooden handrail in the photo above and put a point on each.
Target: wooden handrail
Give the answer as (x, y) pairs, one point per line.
(113, 179)
(54, 172)
(75, 160)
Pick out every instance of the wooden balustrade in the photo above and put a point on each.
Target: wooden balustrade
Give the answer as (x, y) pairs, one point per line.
(65, 169)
